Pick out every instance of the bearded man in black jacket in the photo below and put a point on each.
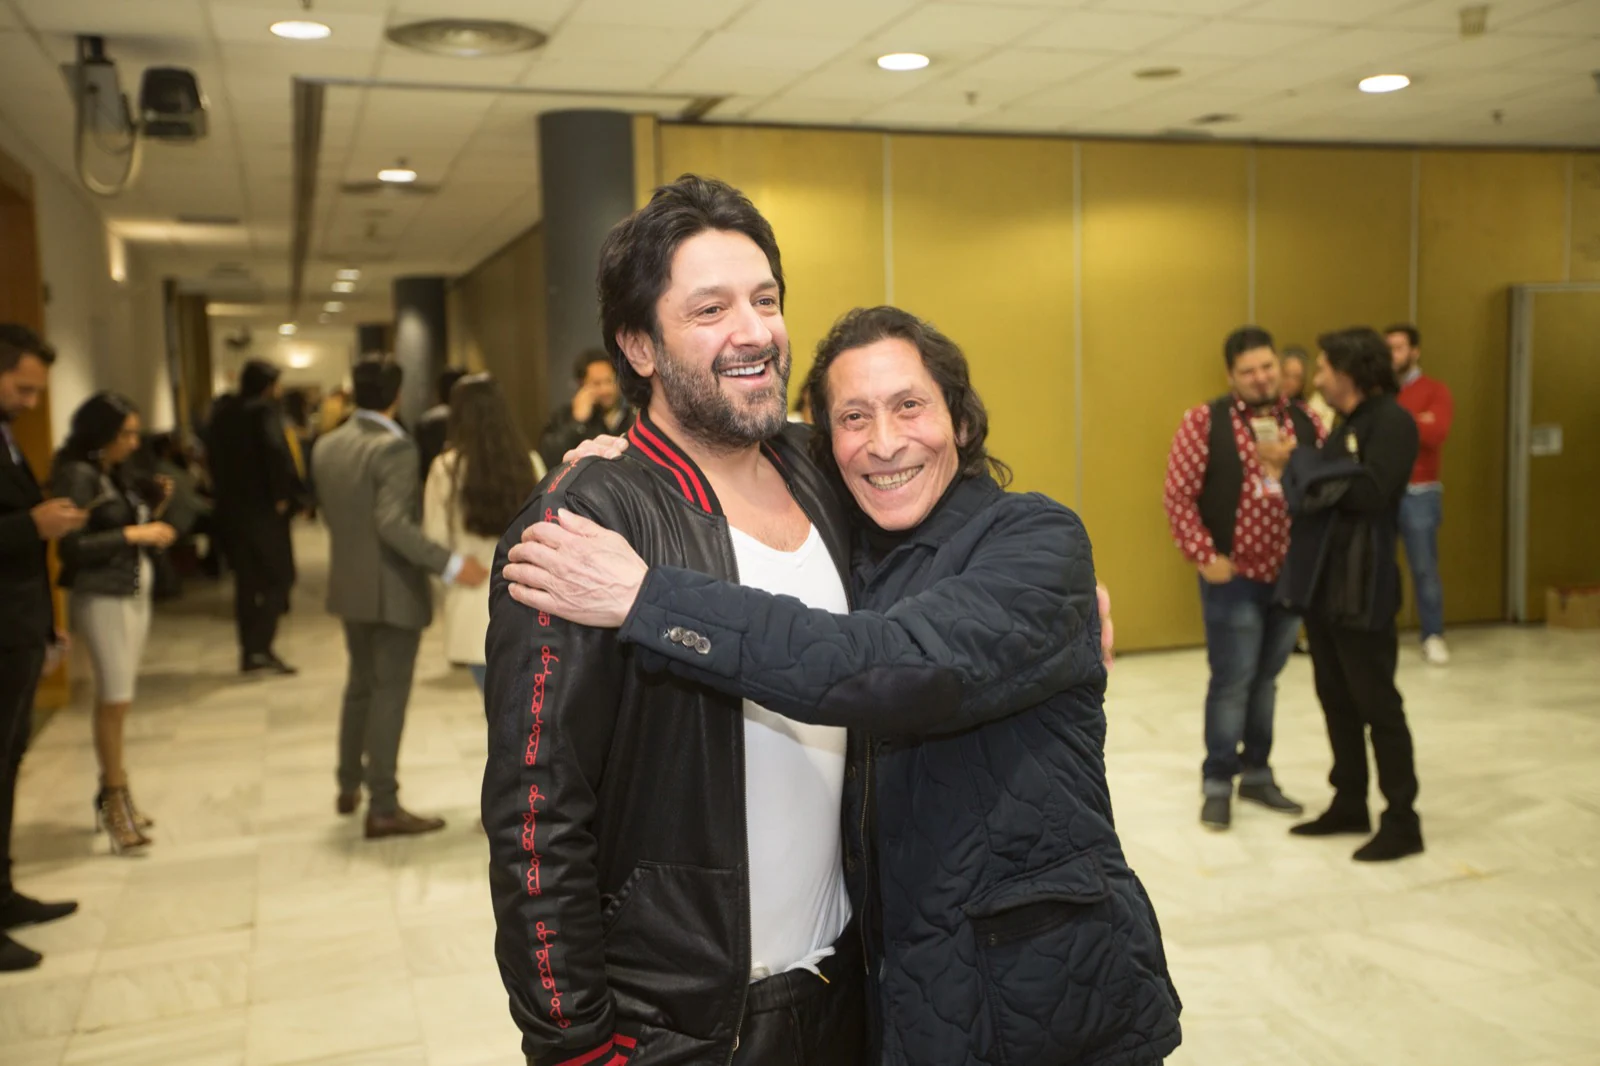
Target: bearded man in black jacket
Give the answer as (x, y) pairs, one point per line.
(1343, 577)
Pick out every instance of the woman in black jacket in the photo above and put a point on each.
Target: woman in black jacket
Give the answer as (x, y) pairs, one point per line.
(1002, 919)
(1341, 575)
(107, 566)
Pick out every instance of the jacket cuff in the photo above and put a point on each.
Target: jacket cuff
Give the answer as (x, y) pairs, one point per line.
(655, 625)
(614, 1052)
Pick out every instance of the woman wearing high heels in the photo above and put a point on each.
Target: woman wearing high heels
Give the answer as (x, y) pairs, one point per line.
(107, 566)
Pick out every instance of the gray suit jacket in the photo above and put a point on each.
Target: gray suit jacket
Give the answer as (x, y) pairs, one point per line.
(367, 487)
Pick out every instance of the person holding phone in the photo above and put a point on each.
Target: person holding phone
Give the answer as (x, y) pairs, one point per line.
(1228, 517)
(107, 565)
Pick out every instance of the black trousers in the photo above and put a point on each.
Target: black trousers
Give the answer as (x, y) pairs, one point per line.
(258, 603)
(796, 1018)
(1354, 671)
(19, 677)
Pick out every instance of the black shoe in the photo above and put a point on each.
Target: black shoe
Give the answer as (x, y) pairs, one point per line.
(13, 956)
(1270, 796)
(24, 910)
(1395, 839)
(1335, 820)
(1217, 812)
(267, 663)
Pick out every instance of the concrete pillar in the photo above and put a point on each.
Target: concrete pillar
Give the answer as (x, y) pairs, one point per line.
(586, 174)
(421, 345)
(374, 338)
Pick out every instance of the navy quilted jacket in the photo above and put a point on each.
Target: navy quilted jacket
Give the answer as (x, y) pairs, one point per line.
(1008, 927)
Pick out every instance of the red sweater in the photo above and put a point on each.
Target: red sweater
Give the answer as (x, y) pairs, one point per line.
(1428, 400)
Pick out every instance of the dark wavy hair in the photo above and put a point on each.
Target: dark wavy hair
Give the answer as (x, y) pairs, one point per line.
(493, 473)
(1362, 355)
(16, 341)
(945, 362)
(95, 425)
(636, 260)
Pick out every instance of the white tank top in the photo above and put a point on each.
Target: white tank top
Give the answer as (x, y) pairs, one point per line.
(794, 777)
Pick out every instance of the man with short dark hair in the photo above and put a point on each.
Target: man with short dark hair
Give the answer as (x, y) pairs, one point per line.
(258, 483)
(1422, 510)
(1228, 518)
(1342, 573)
(371, 500)
(29, 640)
(667, 862)
(597, 407)
(434, 425)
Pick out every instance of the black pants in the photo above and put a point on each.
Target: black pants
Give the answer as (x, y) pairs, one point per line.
(1354, 672)
(258, 603)
(19, 677)
(796, 1018)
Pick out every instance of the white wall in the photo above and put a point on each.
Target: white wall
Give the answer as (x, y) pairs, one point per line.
(108, 335)
(326, 352)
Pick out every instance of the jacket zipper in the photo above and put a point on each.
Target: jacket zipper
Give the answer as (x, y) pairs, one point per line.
(744, 830)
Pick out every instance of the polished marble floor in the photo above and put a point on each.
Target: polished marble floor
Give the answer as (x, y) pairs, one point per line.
(262, 930)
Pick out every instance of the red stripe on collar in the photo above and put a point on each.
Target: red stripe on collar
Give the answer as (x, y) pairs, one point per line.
(645, 449)
(682, 464)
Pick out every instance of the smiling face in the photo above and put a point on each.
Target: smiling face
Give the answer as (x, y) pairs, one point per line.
(720, 364)
(893, 436)
(1255, 376)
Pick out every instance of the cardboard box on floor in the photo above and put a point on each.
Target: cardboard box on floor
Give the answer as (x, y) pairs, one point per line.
(1573, 608)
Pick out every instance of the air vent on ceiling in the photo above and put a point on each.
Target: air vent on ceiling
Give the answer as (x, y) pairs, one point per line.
(1474, 21)
(467, 38)
(1158, 73)
(1216, 118)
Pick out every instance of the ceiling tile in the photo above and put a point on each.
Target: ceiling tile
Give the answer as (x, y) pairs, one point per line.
(400, 65)
(1035, 66)
(667, 14)
(1573, 17)
(128, 18)
(1105, 31)
(1484, 53)
(820, 18)
(1174, 7)
(904, 113)
(803, 109)
(856, 77)
(1327, 12)
(780, 52)
(1240, 38)
(619, 45)
(701, 79)
(1115, 85)
(596, 75)
(541, 14)
(1445, 15)
(936, 27)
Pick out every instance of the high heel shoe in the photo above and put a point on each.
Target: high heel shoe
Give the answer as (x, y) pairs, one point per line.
(141, 820)
(115, 815)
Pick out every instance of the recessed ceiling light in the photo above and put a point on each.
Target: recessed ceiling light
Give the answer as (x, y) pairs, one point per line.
(349, 274)
(288, 329)
(333, 307)
(397, 175)
(300, 359)
(901, 61)
(344, 286)
(301, 30)
(1384, 83)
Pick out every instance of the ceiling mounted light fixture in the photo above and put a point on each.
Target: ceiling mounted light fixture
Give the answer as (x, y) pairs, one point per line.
(349, 274)
(301, 30)
(1383, 83)
(299, 359)
(344, 286)
(333, 307)
(288, 329)
(466, 38)
(903, 61)
(399, 174)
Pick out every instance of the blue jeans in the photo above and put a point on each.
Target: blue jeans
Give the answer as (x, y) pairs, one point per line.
(1421, 515)
(1249, 638)
(478, 671)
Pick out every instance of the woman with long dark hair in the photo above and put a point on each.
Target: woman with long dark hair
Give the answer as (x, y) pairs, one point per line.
(475, 488)
(107, 565)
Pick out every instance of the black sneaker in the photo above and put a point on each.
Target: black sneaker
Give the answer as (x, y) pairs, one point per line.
(1334, 821)
(260, 665)
(1394, 840)
(24, 910)
(13, 956)
(1270, 796)
(1217, 812)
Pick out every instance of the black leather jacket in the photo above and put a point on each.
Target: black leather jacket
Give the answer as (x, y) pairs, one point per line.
(97, 559)
(614, 799)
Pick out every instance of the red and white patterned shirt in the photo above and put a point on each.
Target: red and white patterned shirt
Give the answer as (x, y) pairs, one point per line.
(1261, 523)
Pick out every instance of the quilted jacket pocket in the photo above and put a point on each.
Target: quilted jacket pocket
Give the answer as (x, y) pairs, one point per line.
(1047, 948)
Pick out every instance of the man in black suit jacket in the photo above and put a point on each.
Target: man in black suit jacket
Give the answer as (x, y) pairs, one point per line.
(28, 637)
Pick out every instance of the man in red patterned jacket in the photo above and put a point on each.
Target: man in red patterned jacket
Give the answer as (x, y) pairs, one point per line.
(1229, 518)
